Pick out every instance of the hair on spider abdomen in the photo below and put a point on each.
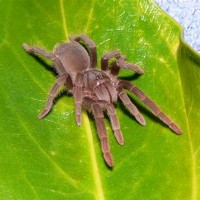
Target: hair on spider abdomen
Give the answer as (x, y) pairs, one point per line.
(96, 90)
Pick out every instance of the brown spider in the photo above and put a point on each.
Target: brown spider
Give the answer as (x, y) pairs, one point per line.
(96, 90)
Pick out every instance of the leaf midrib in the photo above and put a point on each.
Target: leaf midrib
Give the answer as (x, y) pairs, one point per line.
(99, 192)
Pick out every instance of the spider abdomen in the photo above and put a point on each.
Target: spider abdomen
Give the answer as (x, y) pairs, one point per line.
(73, 57)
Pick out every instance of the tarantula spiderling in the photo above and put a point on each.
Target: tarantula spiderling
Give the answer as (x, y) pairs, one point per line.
(96, 90)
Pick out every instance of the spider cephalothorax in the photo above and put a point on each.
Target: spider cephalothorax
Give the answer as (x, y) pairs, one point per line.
(96, 90)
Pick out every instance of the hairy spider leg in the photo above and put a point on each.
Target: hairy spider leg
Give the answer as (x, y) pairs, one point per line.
(101, 130)
(106, 57)
(115, 123)
(91, 46)
(97, 111)
(52, 94)
(130, 66)
(78, 94)
(150, 104)
(79, 80)
(49, 55)
(38, 50)
(130, 106)
(120, 62)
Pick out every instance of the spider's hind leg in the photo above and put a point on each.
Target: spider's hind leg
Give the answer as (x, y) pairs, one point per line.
(91, 46)
(49, 55)
(38, 51)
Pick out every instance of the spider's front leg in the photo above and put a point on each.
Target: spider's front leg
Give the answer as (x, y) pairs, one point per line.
(78, 96)
(97, 111)
(150, 104)
(114, 122)
(120, 62)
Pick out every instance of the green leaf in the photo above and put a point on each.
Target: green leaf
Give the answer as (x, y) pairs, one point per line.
(53, 158)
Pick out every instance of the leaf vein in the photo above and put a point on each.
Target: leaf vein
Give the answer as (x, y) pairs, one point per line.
(63, 18)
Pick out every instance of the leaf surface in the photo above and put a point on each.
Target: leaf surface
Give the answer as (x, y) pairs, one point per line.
(53, 158)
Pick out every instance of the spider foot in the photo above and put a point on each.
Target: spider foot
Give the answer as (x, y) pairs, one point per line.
(108, 158)
(119, 137)
(140, 119)
(78, 120)
(43, 114)
(26, 47)
(175, 128)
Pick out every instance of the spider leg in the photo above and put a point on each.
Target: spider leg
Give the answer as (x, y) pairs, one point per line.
(115, 123)
(38, 50)
(101, 129)
(106, 57)
(120, 62)
(92, 48)
(59, 82)
(78, 95)
(151, 105)
(130, 66)
(130, 106)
